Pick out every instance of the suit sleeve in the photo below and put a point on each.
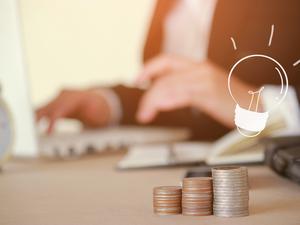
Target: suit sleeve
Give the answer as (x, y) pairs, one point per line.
(201, 126)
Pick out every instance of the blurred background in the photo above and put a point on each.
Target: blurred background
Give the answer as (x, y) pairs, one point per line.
(74, 43)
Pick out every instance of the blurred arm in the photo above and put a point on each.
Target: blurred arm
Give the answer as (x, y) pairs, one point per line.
(201, 125)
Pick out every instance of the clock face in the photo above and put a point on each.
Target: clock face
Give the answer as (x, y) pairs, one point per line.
(6, 131)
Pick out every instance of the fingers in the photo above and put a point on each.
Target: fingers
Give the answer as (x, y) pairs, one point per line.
(40, 113)
(45, 112)
(88, 106)
(52, 118)
(154, 68)
(165, 95)
(64, 105)
(162, 65)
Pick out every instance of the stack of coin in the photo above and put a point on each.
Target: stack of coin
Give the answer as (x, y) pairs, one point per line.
(167, 200)
(231, 191)
(197, 196)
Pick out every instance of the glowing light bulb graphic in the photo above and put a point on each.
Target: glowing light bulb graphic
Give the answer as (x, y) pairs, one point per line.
(250, 122)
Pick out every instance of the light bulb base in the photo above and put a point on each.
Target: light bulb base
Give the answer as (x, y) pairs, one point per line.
(249, 120)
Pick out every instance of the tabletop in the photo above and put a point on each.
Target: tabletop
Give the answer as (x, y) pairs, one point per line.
(91, 191)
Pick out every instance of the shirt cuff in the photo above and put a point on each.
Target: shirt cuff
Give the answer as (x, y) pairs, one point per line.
(288, 111)
(114, 104)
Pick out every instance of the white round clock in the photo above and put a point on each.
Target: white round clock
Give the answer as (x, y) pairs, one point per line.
(6, 131)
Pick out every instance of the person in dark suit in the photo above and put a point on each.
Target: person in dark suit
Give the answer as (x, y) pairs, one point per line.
(190, 47)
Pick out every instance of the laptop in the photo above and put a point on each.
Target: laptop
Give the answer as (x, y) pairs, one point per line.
(13, 80)
(28, 142)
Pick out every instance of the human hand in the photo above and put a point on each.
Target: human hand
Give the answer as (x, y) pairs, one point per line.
(87, 106)
(162, 65)
(202, 86)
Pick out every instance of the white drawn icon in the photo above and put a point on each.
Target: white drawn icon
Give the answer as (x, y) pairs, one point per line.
(250, 122)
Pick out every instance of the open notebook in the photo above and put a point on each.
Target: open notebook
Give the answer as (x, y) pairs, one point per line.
(232, 148)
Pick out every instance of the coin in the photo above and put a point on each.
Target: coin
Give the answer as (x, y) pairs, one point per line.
(197, 180)
(169, 190)
(196, 213)
(197, 196)
(230, 191)
(167, 200)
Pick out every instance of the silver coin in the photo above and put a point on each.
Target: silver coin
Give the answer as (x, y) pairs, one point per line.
(238, 183)
(217, 183)
(231, 204)
(231, 191)
(237, 210)
(230, 198)
(230, 184)
(227, 199)
(230, 180)
(230, 176)
(228, 168)
(228, 203)
(226, 180)
(231, 194)
(240, 173)
(231, 211)
(225, 203)
(229, 171)
(219, 214)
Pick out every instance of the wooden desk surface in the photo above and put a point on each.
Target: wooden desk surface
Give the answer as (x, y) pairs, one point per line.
(89, 191)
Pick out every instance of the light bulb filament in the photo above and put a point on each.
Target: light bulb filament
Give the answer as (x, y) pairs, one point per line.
(253, 93)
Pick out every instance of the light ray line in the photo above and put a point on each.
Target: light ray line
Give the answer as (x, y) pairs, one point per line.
(271, 35)
(296, 63)
(233, 43)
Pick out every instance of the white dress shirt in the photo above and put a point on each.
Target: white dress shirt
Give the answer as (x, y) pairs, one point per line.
(187, 29)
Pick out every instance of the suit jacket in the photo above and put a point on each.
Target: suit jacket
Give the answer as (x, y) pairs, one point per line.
(249, 22)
